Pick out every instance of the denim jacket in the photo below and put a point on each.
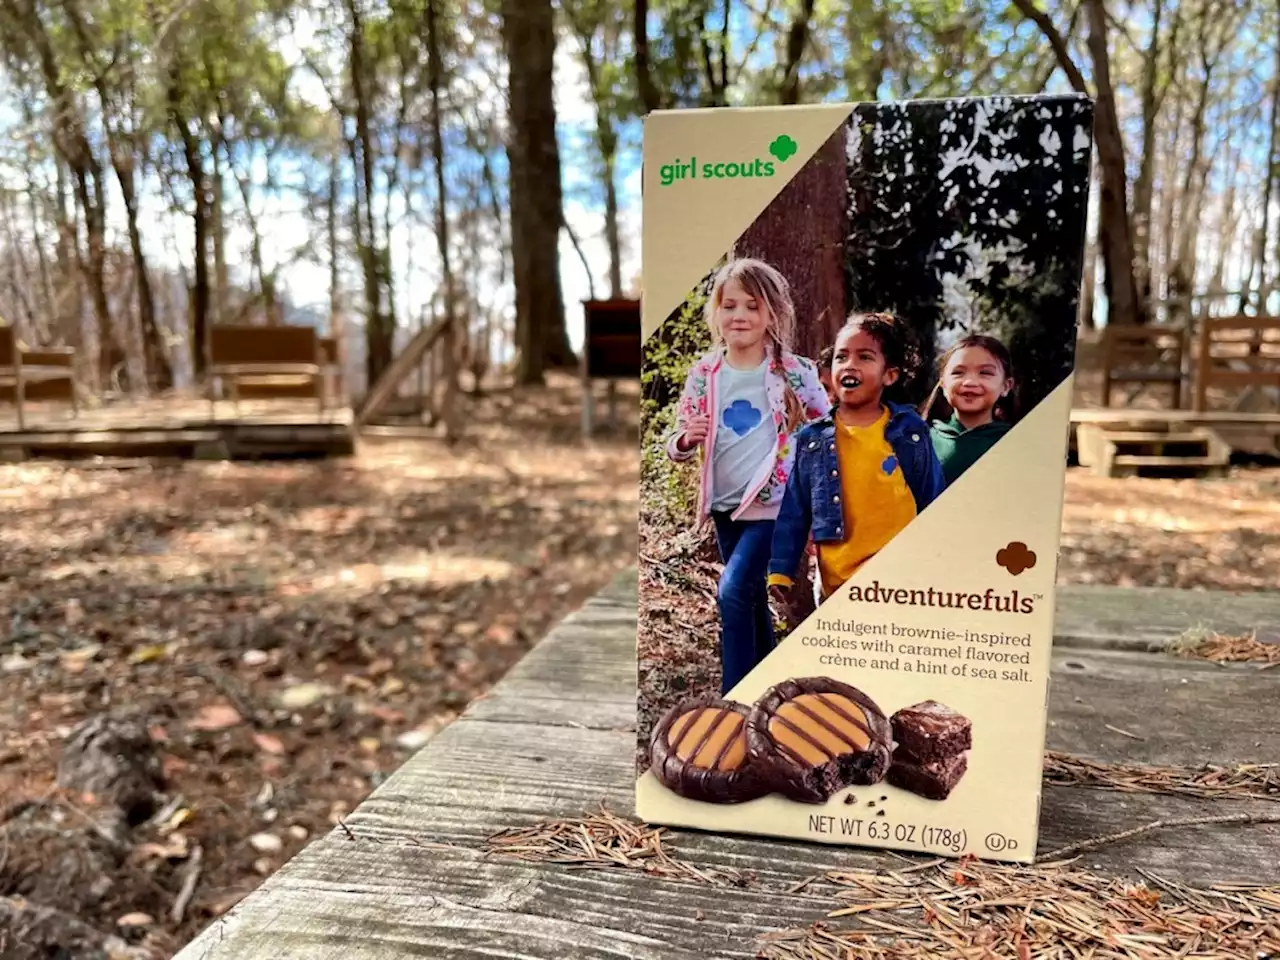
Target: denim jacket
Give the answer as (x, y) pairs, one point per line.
(811, 503)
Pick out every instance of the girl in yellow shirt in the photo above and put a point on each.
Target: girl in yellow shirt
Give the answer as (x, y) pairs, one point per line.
(865, 471)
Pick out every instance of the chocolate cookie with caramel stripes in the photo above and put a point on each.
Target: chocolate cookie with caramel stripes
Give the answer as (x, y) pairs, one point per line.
(813, 736)
(699, 750)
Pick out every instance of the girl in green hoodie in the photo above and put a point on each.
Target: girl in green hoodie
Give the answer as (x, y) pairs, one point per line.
(976, 379)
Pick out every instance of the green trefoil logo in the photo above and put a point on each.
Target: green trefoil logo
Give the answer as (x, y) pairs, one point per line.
(784, 148)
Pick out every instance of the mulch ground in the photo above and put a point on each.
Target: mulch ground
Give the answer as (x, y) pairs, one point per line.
(285, 633)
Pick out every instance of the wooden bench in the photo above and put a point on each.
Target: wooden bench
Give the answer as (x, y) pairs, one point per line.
(408, 873)
(610, 351)
(26, 374)
(1236, 351)
(265, 356)
(1143, 356)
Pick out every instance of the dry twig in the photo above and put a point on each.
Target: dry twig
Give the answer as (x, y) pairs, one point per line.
(191, 877)
(1237, 819)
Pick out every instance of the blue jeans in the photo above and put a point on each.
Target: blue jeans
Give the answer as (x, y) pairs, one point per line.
(746, 626)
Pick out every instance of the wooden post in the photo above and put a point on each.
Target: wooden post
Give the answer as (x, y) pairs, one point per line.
(1107, 341)
(588, 398)
(1203, 361)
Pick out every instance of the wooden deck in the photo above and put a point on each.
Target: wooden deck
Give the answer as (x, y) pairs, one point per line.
(184, 428)
(408, 875)
(1256, 434)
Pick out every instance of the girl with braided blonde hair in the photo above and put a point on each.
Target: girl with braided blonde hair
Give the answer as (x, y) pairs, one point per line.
(742, 403)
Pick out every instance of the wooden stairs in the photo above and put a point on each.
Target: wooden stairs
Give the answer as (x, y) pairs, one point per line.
(1118, 452)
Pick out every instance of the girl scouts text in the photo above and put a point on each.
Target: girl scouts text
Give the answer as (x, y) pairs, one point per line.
(671, 172)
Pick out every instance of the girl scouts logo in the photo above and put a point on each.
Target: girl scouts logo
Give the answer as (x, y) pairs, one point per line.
(782, 149)
(1016, 557)
(741, 417)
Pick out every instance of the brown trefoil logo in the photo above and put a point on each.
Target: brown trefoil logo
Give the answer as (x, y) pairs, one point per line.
(1016, 557)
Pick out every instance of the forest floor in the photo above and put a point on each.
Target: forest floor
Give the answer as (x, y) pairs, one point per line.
(285, 634)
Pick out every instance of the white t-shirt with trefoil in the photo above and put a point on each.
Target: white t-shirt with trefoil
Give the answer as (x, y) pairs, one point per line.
(745, 435)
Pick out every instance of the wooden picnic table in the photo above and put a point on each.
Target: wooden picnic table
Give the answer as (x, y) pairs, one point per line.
(409, 876)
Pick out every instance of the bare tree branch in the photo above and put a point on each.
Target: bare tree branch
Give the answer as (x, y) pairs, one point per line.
(1056, 40)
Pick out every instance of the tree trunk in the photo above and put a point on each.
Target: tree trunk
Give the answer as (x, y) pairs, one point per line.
(1260, 245)
(607, 144)
(804, 238)
(715, 96)
(1227, 223)
(71, 141)
(528, 29)
(159, 370)
(18, 267)
(649, 95)
(266, 293)
(1123, 303)
(199, 304)
(88, 183)
(1151, 98)
(1088, 285)
(611, 223)
(379, 335)
(331, 228)
(1170, 163)
(156, 364)
(448, 412)
(217, 226)
(797, 36)
(70, 296)
(1182, 276)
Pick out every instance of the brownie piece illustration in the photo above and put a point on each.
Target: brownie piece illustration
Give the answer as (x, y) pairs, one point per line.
(699, 750)
(814, 736)
(933, 780)
(932, 755)
(931, 731)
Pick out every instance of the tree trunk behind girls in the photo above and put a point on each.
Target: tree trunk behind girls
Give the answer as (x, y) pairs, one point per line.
(741, 405)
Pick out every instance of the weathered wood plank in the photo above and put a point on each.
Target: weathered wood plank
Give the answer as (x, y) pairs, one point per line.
(556, 737)
(1141, 618)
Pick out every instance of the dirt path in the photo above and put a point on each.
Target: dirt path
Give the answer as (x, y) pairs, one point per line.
(1215, 534)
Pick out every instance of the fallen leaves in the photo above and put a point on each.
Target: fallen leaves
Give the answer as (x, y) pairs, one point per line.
(304, 695)
(215, 717)
(1216, 534)
(268, 743)
(149, 653)
(266, 843)
(74, 661)
(1224, 649)
(225, 595)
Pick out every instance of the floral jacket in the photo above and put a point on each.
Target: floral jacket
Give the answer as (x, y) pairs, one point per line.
(764, 494)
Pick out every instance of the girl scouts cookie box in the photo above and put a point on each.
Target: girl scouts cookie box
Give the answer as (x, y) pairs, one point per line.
(859, 331)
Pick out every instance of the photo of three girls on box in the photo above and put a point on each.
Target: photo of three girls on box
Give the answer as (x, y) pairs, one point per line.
(804, 459)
